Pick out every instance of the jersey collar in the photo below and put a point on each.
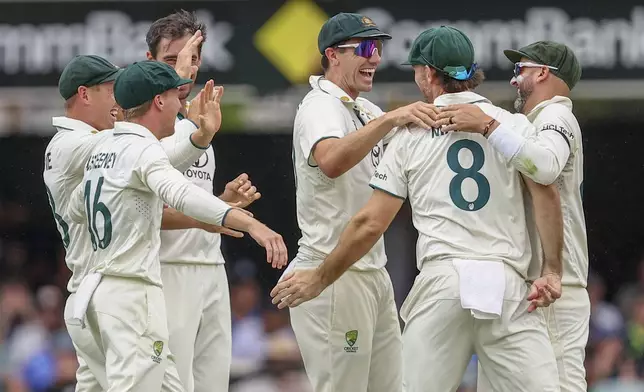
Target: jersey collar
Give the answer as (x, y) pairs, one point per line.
(69, 124)
(327, 86)
(457, 98)
(124, 127)
(556, 99)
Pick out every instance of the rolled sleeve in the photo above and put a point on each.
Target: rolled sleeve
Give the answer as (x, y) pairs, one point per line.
(318, 119)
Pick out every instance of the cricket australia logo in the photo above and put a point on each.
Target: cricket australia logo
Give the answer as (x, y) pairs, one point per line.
(351, 337)
(157, 347)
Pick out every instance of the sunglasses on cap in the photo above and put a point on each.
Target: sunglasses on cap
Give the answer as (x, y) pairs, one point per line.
(519, 65)
(365, 48)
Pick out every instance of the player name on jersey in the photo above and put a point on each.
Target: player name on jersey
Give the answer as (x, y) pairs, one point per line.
(103, 160)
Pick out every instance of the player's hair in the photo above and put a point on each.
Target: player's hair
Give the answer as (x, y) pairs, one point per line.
(136, 112)
(174, 26)
(456, 86)
(324, 61)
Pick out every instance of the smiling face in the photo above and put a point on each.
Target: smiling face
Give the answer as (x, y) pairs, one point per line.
(100, 99)
(355, 73)
(167, 52)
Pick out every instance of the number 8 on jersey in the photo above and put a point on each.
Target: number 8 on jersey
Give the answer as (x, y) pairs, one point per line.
(455, 186)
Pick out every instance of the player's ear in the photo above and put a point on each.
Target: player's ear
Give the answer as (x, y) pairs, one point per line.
(148, 54)
(431, 74)
(332, 55)
(159, 102)
(543, 74)
(82, 93)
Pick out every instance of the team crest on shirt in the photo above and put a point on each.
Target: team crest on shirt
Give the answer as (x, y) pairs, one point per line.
(351, 337)
(376, 152)
(157, 347)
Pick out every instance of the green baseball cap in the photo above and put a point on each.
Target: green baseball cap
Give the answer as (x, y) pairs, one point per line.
(345, 26)
(85, 70)
(142, 81)
(446, 49)
(552, 54)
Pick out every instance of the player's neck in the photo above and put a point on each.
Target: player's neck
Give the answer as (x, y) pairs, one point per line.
(338, 81)
(544, 94)
(81, 115)
(150, 124)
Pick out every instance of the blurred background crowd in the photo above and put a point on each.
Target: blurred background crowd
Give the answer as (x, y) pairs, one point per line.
(264, 59)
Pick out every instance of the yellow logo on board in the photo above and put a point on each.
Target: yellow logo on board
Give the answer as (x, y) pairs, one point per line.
(289, 39)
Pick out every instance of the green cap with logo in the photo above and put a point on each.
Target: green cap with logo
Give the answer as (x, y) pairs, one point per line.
(85, 70)
(142, 81)
(552, 54)
(345, 26)
(446, 49)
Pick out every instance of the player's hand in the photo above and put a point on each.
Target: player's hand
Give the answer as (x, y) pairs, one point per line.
(210, 108)
(544, 291)
(276, 253)
(194, 111)
(418, 113)
(464, 118)
(241, 192)
(297, 287)
(184, 67)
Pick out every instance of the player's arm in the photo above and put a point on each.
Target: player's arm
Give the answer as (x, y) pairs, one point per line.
(175, 220)
(360, 235)
(323, 141)
(173, 188)
(547, 210)
(540, 154)
(75, 208)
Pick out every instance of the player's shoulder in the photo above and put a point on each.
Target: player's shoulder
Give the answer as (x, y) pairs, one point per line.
(492, 110)
(557, 110)
(370, 106)
(319, 99)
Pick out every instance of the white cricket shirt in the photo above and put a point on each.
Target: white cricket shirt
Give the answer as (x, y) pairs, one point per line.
(467, 202)
(126, 181)
(325, 205)
(65, 158)
(193, 246)
(554, 118)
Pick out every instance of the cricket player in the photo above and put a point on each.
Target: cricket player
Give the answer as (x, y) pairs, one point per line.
(126, 178)
(473, 248)
(194, 278)
(86, 85)
(544, 74)
(350, 335)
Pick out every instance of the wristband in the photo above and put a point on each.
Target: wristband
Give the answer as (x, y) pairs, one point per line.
(506, 141)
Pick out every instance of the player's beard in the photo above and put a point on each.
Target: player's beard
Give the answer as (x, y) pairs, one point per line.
(524, 91)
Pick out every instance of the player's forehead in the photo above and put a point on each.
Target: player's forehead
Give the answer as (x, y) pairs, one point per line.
(169, 47)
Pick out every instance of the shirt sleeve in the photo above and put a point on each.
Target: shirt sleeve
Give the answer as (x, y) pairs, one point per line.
(391, 174)
(75, 208)
(179, 148)
(156, 172)
(316, 120)
(539, 154)
(80, 148)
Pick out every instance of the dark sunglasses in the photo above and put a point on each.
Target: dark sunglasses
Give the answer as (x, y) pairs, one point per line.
(519, 65)
(365, 48)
